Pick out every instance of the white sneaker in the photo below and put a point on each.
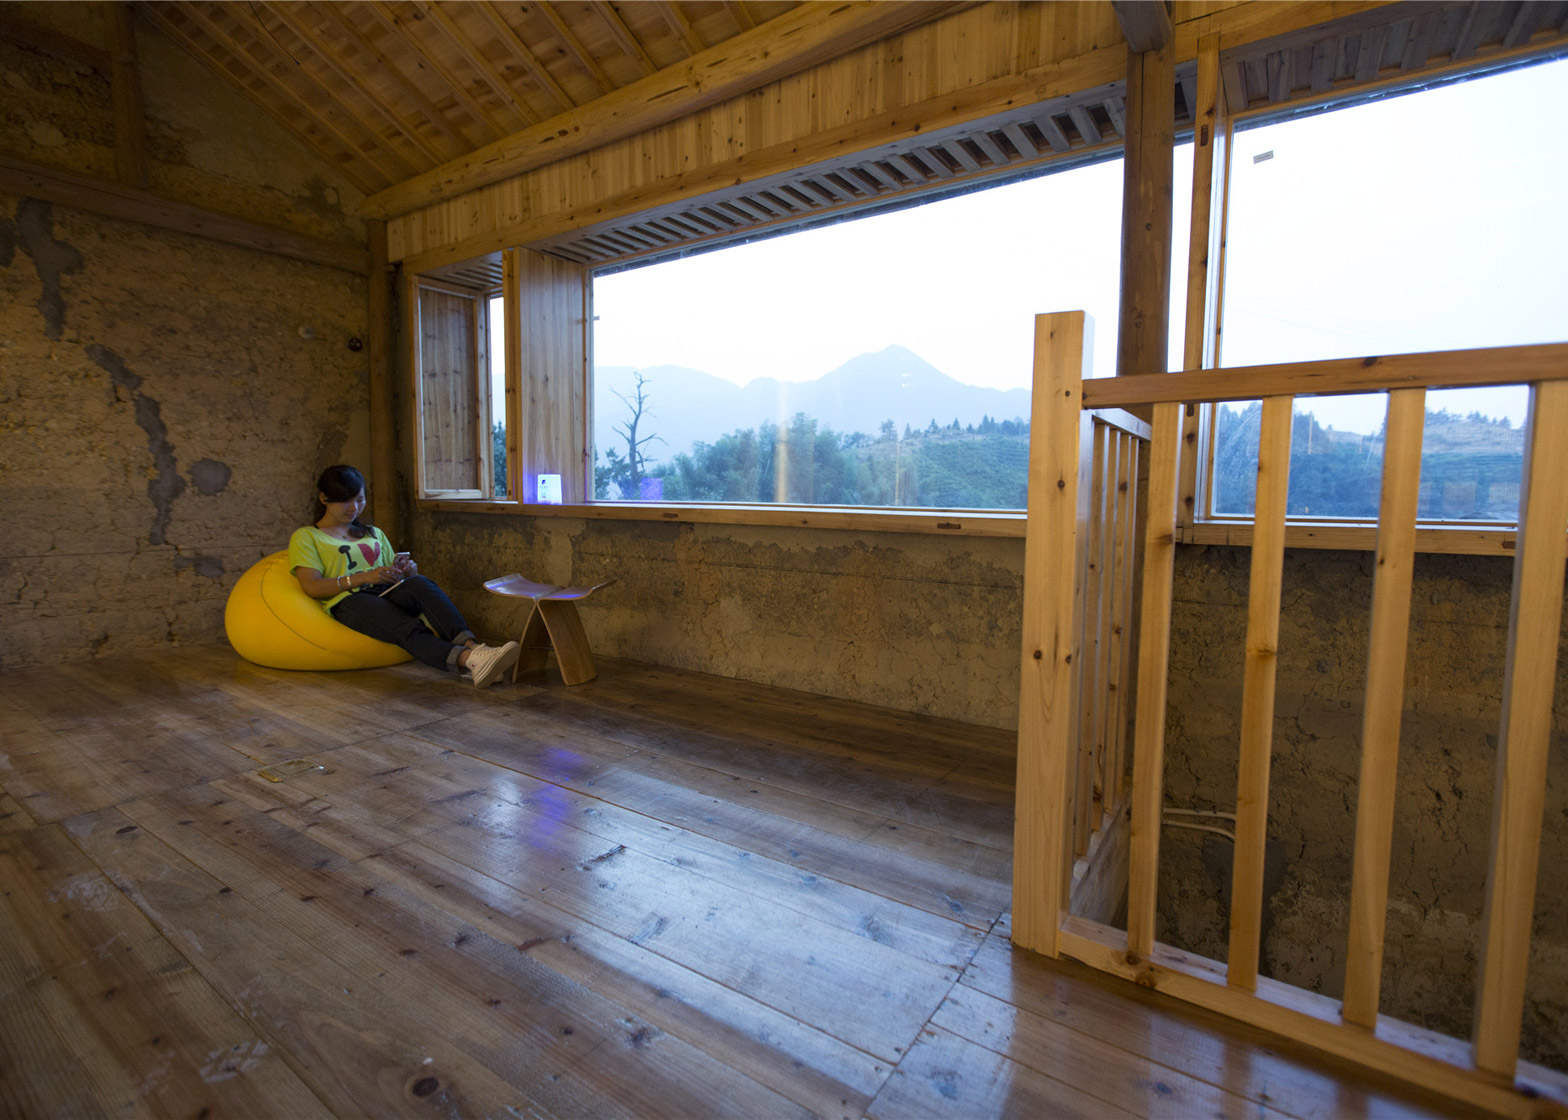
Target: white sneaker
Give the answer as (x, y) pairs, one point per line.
(487, 663)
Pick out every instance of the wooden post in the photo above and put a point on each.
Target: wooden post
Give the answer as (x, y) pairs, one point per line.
(1257, 698)
(1154, 638)
(1146, 212)
(1396, 542)
(125, 84)
(1205, 252)
(1534, 625)
(381, 347)
(1042, 845)
(512, 314)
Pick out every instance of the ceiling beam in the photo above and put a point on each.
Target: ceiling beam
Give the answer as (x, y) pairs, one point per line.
(317, 44)
(1146, 24)
(572, 46)
(525, 55)
(389, 19)
(795, 41)
(117, 200)
(624, 36)
(493, 77)
(346, 160)
(680, 25)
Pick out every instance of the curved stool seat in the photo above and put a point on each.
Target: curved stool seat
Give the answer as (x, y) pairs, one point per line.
(553, 623)
(271, 621)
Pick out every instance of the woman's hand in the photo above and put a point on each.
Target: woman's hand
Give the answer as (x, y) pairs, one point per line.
(405, 566)
(387, 573)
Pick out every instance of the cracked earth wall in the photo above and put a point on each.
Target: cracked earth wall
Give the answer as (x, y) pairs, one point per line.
(161, 419)
(1448, 755)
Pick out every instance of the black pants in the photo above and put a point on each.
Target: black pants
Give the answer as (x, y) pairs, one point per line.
(394, 618)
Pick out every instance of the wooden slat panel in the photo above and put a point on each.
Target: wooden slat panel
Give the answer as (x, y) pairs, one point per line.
(1503, 365)
(551, 373)
(1396, 542)
(1148, 787)
(1041, 845)
(1257, 702)
(448, 410)
(1534, 626)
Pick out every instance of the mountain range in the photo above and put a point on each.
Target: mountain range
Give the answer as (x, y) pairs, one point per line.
(684, 406)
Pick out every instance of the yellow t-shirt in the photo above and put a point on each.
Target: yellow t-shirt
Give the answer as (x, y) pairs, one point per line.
(309, 547)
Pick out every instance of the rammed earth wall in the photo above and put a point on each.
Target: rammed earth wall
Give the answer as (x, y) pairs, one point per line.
(161, 418)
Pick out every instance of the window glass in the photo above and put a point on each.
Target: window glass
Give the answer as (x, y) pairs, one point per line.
(883, 361)
(498, 396)
(1426, 221)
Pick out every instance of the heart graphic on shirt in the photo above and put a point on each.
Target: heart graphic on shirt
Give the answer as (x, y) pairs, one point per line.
(370, 550)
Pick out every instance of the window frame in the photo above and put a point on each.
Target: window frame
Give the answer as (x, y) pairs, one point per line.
(1196, 523)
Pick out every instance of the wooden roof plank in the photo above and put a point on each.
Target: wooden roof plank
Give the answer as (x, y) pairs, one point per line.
(680, 25)
(432, 114)
(1522, 26)
(291, 18)
(1054, 136)
(992, 150)
(390, 20)
(574, 47)
(1084, 121)
(743, 18)
(525, 55)
(487, 70)
(625, 37)
(961, 155)
(800, 38)
(353, 167)
(1469, 36)
(1026, 147)
(1418, 49)
(1370, 61)
(1116, 110)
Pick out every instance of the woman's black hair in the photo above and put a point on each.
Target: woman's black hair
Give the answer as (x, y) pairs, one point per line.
(340, 484)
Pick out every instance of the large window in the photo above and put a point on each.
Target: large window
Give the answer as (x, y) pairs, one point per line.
(1426, 221)
(884, 361)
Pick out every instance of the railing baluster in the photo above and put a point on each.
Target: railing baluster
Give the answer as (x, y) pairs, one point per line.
(1086, 812)
(1124, 619)
(1534, 626)
(1148, 786)
(1257, 699)
(1396, 544)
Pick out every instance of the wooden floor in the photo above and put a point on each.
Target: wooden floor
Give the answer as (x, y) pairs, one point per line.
(233, 891)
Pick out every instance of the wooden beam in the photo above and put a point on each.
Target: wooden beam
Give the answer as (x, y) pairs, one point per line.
(116, 200)
(623, 35)
(1143, 330)
(525, 55)
(801, 38)
(574, 47)
(1444, 369)
(125, 85)
(289, 15)
(680, 25)
(384, 65)
(1146, 24)
(381, 349)
(390, 20)
(493, 77)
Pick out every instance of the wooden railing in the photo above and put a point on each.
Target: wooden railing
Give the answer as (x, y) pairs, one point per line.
(1061, 654)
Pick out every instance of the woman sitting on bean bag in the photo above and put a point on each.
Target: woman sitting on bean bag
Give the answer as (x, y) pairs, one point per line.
(350, 567)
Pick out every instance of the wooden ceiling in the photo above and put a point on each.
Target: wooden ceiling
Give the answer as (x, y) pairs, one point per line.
(387, 90)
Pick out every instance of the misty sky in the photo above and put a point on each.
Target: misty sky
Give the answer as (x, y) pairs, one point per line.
(1424, 222)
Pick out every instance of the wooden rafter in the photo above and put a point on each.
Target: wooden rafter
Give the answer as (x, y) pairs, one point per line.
(390, 20)
(524, 54)
(624, 36)
(1146, 24)
(738, 12)
(125, 83)
(291, 17)
(680, 25)
(493, 77)
(385, 66)
(572, 46)
(347, 148)
(800, 38)
(348, 106)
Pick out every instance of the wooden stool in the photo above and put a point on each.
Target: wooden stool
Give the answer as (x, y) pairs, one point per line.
(552, 623)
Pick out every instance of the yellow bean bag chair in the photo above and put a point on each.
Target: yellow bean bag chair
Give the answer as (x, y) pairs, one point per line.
(271, 621)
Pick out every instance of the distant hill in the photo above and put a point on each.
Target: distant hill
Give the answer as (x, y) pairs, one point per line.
(686, 405)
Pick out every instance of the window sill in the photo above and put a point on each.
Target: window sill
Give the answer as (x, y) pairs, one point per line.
(948, 523)
(1454, 540)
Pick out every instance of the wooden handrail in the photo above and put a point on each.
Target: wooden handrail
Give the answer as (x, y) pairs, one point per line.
(1444, 369)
